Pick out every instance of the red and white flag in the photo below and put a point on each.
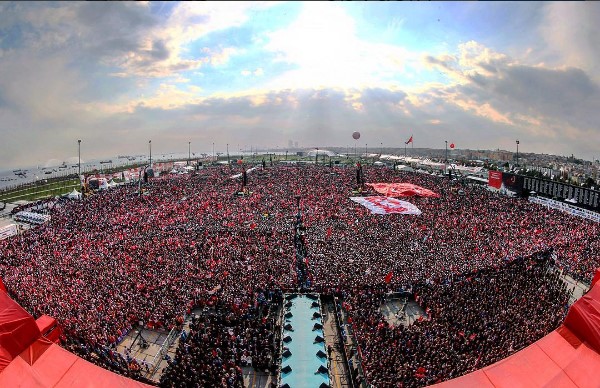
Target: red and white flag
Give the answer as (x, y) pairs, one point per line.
(388, 277)
(387, 205)
(409, 140)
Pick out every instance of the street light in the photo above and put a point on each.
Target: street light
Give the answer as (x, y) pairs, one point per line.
(446, 160)
(79, 163)
(150, 147)
(228, 155)
(213, 152)
(517, 153)
(189, 152)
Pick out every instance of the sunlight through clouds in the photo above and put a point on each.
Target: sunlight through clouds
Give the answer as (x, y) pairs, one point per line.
(323, 46)
(483, 73)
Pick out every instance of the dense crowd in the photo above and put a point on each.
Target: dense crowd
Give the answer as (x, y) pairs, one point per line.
(219, 344)
(105, 263)
(471, 322)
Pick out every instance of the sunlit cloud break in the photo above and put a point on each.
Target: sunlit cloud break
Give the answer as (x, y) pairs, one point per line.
(265, 73)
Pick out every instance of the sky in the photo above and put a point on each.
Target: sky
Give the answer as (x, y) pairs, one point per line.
(480, 75)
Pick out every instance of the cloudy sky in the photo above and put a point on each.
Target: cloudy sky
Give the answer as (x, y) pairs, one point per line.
(117, 74)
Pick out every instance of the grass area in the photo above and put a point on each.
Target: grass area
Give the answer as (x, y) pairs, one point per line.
(37, 191)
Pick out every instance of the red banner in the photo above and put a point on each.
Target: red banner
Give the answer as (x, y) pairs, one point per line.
(495, 179)
(402, 190)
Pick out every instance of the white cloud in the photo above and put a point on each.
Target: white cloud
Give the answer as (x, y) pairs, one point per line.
(571, 32)
(323, 46)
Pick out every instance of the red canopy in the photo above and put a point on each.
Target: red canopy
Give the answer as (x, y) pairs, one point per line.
(45, 364)
(18, 329)
(29, 360)
(49, 328)
(402, 190)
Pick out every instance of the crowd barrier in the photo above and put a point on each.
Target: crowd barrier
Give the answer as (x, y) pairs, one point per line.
(567, 208)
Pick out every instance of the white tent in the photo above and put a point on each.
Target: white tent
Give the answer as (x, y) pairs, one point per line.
(74, 194)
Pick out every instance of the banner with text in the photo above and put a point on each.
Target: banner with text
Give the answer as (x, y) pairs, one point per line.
(387, 205)
(8, 231)
(495, 179)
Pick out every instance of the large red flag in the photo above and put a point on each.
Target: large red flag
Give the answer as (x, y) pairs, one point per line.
(409, 140)
(388, 277)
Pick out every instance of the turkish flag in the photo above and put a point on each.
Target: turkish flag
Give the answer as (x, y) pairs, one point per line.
(388, 277)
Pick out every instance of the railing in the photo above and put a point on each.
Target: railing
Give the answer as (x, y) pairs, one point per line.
(355, 383)
(164, 348)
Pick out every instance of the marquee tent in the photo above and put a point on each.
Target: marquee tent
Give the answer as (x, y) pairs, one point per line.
(29, 360)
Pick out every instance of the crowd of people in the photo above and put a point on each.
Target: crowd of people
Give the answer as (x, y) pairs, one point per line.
(470, 323)
(219, 344)
(104, 263)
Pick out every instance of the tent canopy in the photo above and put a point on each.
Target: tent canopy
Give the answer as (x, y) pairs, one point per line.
(29, 360)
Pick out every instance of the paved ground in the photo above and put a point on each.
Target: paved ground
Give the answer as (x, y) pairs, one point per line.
(133, 344)
(256, 379)
(338, 370)
(579, 288)
(400, 311)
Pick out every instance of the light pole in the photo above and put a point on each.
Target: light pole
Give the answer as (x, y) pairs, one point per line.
(446, 160)
(317, 156)
(150, 147)
(79, 153)
(228, 154)
(79, 166)
(517, 153)
(366, 153)
(381, 149)
(213, 157)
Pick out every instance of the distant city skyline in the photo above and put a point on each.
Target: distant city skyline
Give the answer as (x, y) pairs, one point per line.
(481, 75)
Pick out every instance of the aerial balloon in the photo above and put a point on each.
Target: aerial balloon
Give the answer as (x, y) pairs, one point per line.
(356, 135)
(452, 145)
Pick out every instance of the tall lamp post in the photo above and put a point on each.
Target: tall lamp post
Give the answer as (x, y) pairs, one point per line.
(79, 163)
(228, 155)
(446, 159)
(189, 152)
(150, 148)
(517, 153)
(213, 157)
(79, 153)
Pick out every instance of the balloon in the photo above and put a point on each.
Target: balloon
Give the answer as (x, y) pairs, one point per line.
(356, 135)
(452, 145)
(240, 161)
